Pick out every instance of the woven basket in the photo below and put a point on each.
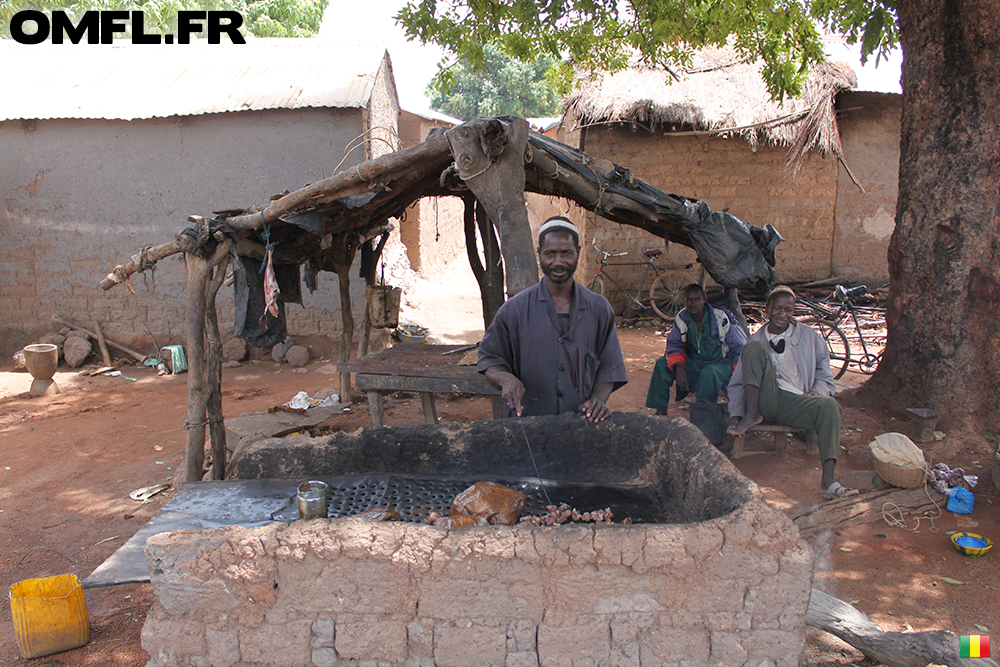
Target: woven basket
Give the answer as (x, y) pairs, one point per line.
(905, 477)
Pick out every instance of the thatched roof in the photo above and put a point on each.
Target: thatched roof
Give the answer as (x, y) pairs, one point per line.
(718, 92)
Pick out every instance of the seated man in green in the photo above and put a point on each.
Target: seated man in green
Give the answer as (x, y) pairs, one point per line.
(702, 350)
(784, 376)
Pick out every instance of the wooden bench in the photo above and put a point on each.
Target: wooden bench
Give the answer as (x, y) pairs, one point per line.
(781, 433)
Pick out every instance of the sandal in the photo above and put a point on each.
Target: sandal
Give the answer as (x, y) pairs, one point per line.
(836, 491)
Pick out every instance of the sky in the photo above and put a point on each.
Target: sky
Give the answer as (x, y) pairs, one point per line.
(370, 22)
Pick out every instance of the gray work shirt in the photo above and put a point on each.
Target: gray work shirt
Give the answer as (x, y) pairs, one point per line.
(558, 370)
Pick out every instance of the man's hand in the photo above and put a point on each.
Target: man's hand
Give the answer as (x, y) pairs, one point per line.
(595, 410)
(511, 388)
(682, 378)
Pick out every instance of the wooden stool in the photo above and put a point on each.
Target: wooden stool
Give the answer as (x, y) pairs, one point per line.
(781, 433)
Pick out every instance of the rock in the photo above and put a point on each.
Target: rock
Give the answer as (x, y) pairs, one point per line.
(54, 339)
(234, 349)
(76, 333)
(76, 350)
(279, 350)
(328, 369)
(300, 371)
(231, 364)
(324, 393)
(297, 356)
(19, 361)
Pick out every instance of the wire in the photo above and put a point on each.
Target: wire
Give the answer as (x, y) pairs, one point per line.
(538, 475)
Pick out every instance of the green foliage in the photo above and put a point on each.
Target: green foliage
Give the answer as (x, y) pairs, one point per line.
(872, 22)
(501, 86)
(607, 34)
(261, 18)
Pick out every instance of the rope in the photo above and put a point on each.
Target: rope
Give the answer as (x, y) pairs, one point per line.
(890, 519)
(478, 173)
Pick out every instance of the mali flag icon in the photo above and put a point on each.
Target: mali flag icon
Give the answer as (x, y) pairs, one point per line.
(974, 646)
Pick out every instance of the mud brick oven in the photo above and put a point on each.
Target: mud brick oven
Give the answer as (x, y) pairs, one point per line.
(723, 580)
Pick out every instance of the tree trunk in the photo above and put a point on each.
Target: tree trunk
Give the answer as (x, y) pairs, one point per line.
(943, 348)
(489, 277)
(490, 160)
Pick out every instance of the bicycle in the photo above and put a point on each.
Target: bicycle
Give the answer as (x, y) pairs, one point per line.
(666, 292)
(827, 322)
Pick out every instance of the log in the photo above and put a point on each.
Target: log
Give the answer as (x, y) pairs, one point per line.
(499, 186)
(860, 509)
(66, 322)
(893, 649)
(102, 344)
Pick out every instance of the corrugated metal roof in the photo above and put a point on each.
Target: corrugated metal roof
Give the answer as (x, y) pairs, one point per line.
(130, 81)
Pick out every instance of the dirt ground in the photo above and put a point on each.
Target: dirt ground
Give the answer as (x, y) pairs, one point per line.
(68, 463)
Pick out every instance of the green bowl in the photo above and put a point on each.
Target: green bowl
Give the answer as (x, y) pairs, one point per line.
(970, 544)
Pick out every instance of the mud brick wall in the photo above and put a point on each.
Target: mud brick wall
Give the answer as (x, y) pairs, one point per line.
(80, 196)
(869, 132)
(333, 593)
(752, 184)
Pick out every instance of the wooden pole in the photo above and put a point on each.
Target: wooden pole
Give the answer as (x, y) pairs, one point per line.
(342, 259)
(101, 343)
(216, 421)
(197, 286)
(199, 272)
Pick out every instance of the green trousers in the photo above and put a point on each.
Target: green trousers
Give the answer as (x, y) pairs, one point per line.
(821, 414)
(707, 381)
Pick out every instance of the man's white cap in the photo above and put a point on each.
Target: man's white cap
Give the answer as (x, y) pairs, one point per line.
(558, 222)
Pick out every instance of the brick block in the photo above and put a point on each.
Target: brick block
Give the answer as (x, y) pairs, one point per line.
(470, 645)
(574, 643)
(284, 645)
(358, 639)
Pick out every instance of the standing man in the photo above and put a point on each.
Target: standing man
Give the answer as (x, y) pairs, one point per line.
(702, 349)
(784, 376)
(553, 347)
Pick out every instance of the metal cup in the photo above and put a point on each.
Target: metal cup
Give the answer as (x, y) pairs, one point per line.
(312, 500)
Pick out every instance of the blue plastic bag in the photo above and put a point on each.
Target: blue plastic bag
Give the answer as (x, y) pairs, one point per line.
(961, 501)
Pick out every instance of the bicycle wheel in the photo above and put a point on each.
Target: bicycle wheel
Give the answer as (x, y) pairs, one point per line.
(840, 349)
(597, 285)
(666, 294)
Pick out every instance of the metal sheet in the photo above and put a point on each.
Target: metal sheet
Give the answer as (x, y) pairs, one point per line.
(132, 82)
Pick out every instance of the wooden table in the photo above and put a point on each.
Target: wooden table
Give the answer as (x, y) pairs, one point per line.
(420, 368)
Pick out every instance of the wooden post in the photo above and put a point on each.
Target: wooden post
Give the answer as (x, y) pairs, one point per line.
(216, 421)
(342, 261)
(197, 287)
(489, 277)
(199, 271)
(490, 159)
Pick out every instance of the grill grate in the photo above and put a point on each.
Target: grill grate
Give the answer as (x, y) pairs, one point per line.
(415, 497)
